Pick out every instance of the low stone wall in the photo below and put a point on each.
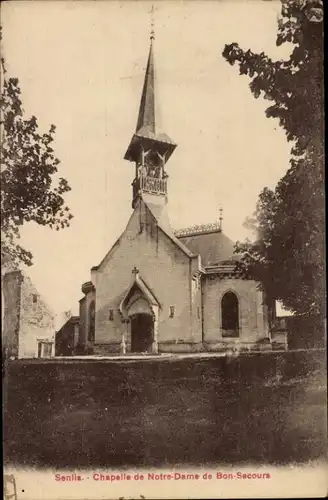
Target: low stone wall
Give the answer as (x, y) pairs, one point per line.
(248, 366)
(180, 347)
(106, 349)
(238, 347)
(264, 408)
(194, 347)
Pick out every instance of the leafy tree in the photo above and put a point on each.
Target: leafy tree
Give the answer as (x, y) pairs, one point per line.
(287, 256)
(29, 191)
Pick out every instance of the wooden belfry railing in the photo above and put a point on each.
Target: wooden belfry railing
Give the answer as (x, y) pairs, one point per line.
(149, 184)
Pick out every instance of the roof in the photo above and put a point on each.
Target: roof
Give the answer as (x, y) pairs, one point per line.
(147, 129)
(213, 246)
(73, 320)
(146, 133)
(146, 116)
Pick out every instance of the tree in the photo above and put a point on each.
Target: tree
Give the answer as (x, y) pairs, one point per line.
(287, 256)
(29, 191)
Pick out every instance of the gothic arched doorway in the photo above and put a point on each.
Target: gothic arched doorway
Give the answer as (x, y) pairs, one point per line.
(230, 315)
(142, 332)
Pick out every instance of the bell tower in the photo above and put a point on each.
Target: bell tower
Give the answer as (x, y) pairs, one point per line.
(149, 148)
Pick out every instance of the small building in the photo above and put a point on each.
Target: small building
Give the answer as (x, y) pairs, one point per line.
(28, 324)
(66, 339)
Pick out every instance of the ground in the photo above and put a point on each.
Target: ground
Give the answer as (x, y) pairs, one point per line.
(177, 411)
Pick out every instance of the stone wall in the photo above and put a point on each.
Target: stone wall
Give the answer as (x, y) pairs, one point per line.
(11, 298)
(262, 408)
(27, 318)
(253, 325)
(166, 270)
(82, 330)
(84, 343)
(36, 320)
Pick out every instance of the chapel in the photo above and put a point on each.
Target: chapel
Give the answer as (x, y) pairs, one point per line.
(158, 290)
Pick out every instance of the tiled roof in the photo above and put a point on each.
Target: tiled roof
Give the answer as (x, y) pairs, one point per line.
(214, 246)
(146, 133)
(146, 116)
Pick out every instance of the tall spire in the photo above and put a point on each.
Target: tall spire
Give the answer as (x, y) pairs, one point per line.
(149, 148)
(147, 116)
(147, 128)
(147, 110)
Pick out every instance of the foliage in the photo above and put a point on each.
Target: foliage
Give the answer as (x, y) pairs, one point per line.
(288, 254)
(29, 191)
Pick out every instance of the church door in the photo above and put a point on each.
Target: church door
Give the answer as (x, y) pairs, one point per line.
(142, 329)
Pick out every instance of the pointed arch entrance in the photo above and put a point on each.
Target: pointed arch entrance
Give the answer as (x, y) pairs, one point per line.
(142, 333)
(230, 314)
(139, 311)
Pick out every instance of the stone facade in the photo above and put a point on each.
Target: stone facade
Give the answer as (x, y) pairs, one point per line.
(160, 263)
(159, 291)
(150, 272)
(28, 323)
(253, 317)
(85, 343)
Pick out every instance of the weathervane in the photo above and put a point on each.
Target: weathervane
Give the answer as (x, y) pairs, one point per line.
(152, 23)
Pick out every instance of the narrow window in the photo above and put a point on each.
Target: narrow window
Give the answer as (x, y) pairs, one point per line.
(111, 315)
(92, 321)
(230, 315)
(171, 311)
(34, 298)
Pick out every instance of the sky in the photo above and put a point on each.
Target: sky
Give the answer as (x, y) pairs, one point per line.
(81, 67)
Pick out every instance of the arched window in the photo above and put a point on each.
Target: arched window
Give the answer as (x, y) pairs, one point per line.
(92, 321)
(230, 315)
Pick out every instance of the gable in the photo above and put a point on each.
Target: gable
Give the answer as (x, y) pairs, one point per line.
(138, 290)
(156, 215)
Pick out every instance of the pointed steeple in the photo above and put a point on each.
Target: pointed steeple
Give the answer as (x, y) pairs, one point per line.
(149, 148)
(147, 117)
(147, 125)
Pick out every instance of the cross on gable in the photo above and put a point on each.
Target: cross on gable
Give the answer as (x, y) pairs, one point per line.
(135, 270)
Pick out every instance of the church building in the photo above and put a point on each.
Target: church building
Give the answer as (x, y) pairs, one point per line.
(158, 290)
